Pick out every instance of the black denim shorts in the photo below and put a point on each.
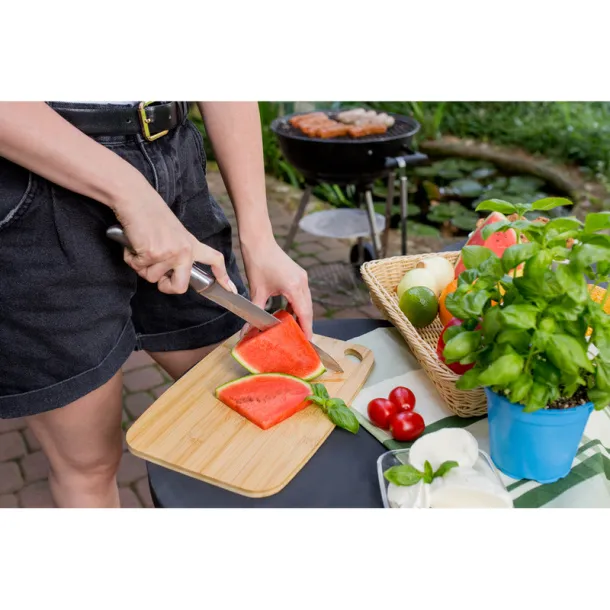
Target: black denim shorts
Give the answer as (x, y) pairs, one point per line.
(71, 310)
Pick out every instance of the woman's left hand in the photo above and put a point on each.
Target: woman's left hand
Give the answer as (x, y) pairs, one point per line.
(271, 272)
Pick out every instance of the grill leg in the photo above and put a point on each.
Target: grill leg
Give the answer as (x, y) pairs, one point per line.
(294, 227)
(404, 209)
(368, 197)
(388, 213)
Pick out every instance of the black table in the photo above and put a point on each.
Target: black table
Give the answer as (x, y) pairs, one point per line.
(341, 474)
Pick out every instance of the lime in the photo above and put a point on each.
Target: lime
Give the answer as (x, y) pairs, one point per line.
(420, 306)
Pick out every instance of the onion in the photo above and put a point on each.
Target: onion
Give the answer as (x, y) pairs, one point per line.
(440, 268)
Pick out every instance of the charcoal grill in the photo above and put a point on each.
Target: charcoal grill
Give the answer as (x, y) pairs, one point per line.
(353, 161)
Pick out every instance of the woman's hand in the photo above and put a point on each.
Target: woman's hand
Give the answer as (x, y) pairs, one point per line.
(271, 272)
(162, 250)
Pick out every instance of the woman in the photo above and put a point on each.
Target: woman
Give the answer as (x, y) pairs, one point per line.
(73, 305)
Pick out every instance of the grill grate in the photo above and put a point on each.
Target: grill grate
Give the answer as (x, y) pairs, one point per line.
(403, 126)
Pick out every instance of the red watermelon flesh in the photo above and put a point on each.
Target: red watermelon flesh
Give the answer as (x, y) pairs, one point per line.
(280, 349)
(266, 399)
(497, 243)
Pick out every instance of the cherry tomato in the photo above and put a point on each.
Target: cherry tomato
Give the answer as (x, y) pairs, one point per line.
(456, 367)
(406, 426)
(380, 412)
(403, 398)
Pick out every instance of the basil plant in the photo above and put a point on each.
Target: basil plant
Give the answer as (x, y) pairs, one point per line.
(529, 324)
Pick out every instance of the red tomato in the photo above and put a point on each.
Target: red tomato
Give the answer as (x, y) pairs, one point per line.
(456, 367)
(403, 398)
(406, 426)
(380, 412)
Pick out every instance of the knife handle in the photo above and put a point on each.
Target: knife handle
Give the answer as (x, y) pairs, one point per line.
(200, 280)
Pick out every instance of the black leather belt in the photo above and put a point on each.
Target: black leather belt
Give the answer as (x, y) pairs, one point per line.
(150, 119)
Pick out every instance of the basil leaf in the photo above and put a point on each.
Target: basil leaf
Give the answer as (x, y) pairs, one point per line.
(566, 309)
(404, 475)
(561, 225)
(549, 203)
(444, 468)
(537, 398)
(496, 205)
(317, 401)
(504, 370)
(567, 354)
(473, 256)
(469, 380)
(320, 390)
(451, 332)
(495, 227)
(602, 376)
(538, 265)
(519, 339)
(428, 472)
(461, 345)
(468, 277)
(515, 255)
(519, 316)
(573, 282)
(491, 324)
(597, 222)
(453, 303)
(599, 398)
(520, 387)
(545, 372)
(343, 417)
(491, 269)
(585, 255)
(474, 302)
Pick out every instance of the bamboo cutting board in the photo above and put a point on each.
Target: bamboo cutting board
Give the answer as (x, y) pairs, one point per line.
(188, 430)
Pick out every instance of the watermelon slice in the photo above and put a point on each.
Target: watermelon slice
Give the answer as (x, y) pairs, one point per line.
(497, 243)
(280, 349)
(266, 399)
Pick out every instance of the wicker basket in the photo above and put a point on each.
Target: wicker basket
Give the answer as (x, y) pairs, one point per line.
(381, 278)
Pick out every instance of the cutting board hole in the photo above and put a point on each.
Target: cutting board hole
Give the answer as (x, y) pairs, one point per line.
(353, 355)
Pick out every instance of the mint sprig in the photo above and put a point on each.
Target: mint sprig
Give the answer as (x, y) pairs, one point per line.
(334, 408)
(407, 475)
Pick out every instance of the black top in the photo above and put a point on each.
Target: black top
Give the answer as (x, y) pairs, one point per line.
(341, 474)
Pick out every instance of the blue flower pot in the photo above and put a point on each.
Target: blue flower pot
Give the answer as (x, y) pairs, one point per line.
(539, 446)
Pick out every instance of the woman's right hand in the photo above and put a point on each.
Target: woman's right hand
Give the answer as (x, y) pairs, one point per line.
(162, 250)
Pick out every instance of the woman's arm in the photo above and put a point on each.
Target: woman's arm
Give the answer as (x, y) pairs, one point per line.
(235, 132)
(36, 137)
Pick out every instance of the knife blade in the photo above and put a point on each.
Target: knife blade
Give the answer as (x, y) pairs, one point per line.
(206, 286)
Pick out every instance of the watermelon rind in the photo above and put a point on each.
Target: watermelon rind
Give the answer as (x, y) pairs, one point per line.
(313, 375)
(255, 376)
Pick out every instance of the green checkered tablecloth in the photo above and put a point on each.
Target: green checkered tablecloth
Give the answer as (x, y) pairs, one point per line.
(587, 485)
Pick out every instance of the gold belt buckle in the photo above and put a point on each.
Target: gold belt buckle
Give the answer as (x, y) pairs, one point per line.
(144, 120)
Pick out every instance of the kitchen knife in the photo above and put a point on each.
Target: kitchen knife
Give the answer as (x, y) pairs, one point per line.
(206, 285)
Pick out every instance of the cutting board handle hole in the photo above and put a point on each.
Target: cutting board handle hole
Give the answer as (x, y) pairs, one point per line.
(354, 355)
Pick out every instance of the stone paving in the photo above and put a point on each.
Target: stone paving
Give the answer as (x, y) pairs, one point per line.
(23, 466)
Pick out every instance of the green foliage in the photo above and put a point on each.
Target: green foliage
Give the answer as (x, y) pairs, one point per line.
(532, 345)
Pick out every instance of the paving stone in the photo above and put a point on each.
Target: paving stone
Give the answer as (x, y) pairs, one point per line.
(312, 247)
(370, 311)
(137, 360)
(334, 256)
(143, 491)
(31, 441)
(128, 498)
(347, 314)
(307, 261)
(160, 390)
(8, 425)
(36, 495)
(143, 379)
(131, 469)
(12, 446)
(35, 467)
(10, 477)
(136, 404)
(9, 501)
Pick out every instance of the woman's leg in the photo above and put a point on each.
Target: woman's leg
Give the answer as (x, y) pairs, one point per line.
(83, 442)
(177, 363)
